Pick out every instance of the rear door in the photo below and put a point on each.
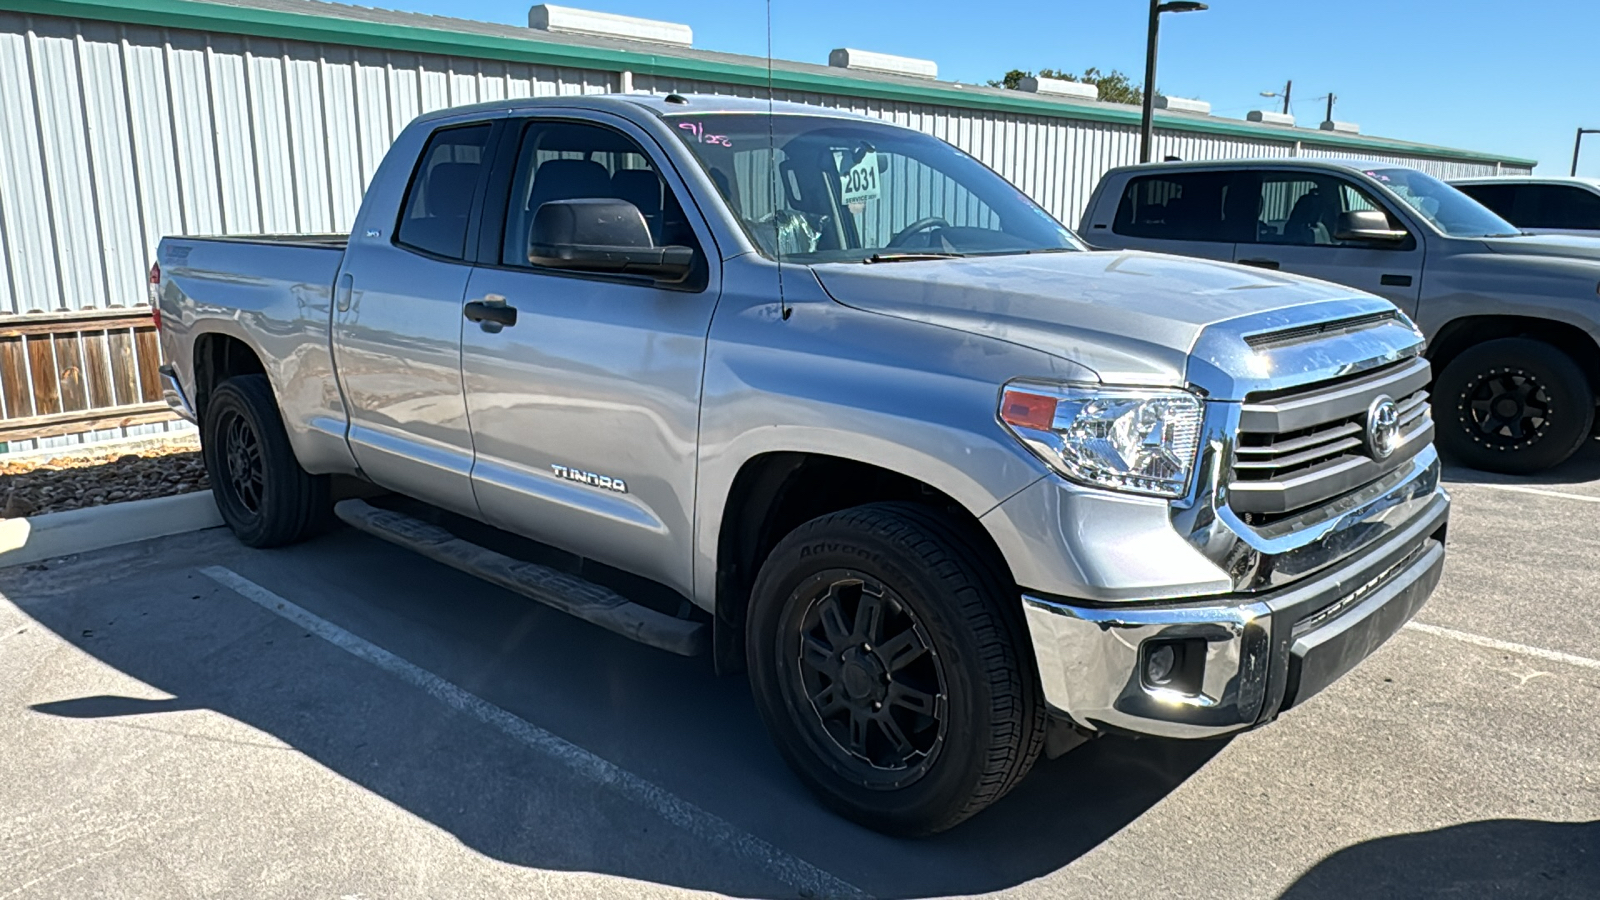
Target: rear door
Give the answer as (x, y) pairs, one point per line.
(1185, 212)
(585, 412)
(397, 322)
(1297, 217)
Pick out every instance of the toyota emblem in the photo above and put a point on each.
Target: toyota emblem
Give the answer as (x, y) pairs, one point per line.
(1383, 427)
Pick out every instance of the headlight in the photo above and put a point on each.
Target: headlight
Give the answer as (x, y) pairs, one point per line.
(1127, 439)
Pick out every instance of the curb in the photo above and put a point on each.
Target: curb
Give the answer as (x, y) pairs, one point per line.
(96, 527)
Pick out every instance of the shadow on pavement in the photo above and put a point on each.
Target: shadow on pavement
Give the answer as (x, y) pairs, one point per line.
(1582, 468)
(1502, 858)
(665, 718)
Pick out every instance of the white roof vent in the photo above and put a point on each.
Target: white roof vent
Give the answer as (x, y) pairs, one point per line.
(566, 20)
(867, 61)
(1060, 87)
(1341, 127)
(1270, 118)
(1179, 104)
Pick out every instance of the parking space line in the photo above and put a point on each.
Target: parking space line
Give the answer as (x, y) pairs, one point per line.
(1509, 647)
(704, 826)
(1519, 489)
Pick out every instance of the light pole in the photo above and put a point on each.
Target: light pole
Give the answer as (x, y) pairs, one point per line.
(1578, 145)
(1146, 123)
(1288, 89)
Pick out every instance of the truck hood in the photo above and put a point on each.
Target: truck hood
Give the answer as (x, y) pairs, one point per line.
(1567, 246)
(1131, 317)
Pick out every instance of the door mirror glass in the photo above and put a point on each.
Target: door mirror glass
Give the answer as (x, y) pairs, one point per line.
(602, 235)
(1366, 225)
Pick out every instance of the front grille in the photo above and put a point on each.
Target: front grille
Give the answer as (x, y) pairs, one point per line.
(1299, 449)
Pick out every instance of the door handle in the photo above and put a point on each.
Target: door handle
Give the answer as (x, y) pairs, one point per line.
(1395, 281)
(491, 310)
(1260, 263)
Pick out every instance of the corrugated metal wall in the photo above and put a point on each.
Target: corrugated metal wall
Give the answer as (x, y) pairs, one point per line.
(112, 136)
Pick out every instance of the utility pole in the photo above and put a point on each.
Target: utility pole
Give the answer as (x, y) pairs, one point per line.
(1288, 88)
(1331, 98)
(1578, 145)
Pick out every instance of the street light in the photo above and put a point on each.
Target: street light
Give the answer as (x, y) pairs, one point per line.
(1146, 123)
(1578, 145)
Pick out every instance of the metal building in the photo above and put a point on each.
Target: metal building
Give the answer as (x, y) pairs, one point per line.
(123, 120)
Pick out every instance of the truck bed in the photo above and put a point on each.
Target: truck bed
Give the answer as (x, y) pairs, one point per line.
(322, 241)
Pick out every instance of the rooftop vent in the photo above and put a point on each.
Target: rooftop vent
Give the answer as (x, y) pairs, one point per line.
(1270, 118)
(566, 20)
(1059, 86)
(1179, 104)
(1341, 127)
(867, 61)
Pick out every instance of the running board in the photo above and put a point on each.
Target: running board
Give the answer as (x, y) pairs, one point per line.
(576, 596)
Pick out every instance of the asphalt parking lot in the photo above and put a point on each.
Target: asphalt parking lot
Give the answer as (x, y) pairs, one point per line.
(187, 717)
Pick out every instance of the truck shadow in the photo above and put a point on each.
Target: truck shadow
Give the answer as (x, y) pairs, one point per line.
(1501, 858)
(666, 718)
(1583, 467)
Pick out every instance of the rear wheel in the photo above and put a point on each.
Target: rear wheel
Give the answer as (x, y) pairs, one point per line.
(260, 489)
(1513, 405)
(890, 671)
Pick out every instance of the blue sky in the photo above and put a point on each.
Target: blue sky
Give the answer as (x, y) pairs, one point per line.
(1507, 77)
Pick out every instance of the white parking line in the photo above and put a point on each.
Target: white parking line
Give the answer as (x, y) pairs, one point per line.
(792, 871)
(1493, 644)
(1519, 489)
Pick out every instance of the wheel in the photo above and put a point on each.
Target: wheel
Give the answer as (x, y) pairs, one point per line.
(887, 659)
(260, 489)
(1513, 405)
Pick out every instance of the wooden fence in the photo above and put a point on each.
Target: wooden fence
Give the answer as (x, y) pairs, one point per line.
(72, 372)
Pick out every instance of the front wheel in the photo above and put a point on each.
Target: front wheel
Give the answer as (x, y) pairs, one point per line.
(260, 489)
(1513, 405)
(890, 671)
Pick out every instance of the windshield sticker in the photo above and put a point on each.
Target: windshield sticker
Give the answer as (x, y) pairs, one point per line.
(699, 131)
(861, 182)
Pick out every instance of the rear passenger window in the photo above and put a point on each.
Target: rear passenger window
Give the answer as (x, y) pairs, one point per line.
(1185, 206)
(1501, 198)
(574, 161)
(439, 198)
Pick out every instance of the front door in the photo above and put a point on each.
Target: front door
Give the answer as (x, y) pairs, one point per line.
(1295, 232)
(585, 411)
(397, 328)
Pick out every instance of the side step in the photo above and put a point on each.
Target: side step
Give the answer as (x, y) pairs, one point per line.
(588, 601)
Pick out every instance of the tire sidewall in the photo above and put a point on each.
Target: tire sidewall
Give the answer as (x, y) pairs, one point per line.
(961, 757)
(1572, 405)
(231, 399)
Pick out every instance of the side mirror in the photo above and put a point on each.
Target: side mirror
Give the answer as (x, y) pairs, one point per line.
(1367, 225)
(602, 235)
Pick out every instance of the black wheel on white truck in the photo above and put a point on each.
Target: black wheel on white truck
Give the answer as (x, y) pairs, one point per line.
(889, 660)
(260, 489)
(1515, 405)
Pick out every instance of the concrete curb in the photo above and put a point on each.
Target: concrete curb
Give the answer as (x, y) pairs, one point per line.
(81, 530)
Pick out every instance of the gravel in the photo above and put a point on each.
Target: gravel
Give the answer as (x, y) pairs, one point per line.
(74, 480)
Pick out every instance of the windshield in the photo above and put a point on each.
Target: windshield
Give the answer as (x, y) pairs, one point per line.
(837, 190)
(1451, 211)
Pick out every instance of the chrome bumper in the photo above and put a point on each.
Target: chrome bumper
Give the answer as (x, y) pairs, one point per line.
(1242, 658)
(172, 392)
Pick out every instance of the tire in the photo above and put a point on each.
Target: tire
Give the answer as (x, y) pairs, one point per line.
(950, 669)
(1513, 405)
(260, 489)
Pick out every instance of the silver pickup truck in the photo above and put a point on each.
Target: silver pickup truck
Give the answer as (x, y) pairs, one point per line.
(830, 401)
(1512, 319)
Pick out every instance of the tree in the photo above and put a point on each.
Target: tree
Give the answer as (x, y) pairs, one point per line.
(1114, 86)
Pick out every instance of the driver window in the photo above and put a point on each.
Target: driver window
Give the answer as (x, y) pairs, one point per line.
(575, 161)
(1303, 210)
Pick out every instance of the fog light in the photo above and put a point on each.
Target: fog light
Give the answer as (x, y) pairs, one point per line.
(1159, 663)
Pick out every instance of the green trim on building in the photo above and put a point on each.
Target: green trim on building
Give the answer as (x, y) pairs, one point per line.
(315, 28)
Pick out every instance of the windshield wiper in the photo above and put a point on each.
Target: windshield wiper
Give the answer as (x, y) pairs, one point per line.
(910, 257)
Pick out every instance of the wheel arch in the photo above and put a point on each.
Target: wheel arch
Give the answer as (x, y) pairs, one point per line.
(218, 356)
(775, 492)
(1457, 335)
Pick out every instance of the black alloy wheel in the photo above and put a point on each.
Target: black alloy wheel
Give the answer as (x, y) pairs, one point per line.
(1514, 405)
(261, 491)
(869, 673)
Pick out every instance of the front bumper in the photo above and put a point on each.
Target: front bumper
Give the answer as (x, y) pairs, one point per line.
(1242, 658)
